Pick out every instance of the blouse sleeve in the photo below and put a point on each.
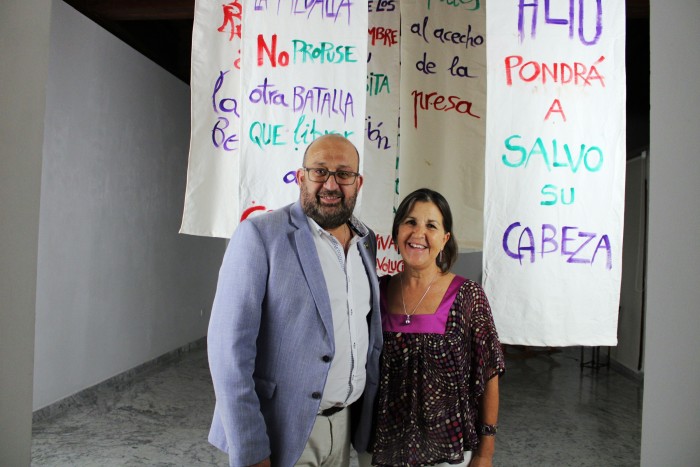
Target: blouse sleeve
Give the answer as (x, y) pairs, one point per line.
(486, 354)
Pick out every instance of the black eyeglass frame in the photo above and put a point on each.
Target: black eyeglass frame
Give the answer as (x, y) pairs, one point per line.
(338, 180)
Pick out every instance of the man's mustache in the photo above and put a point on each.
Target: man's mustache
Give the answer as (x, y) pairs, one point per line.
(337, 193)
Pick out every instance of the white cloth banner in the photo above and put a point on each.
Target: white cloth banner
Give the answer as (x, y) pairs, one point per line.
(211, 198)
(443, 107)
(380, 191)
(555, 167)
(305, 69)
(247, 142)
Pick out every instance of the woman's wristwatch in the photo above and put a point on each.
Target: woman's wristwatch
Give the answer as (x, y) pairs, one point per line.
(482, 429)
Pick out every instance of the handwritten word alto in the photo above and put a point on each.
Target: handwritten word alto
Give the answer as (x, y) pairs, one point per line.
(573, 244)
(539, 14)
(223, 134)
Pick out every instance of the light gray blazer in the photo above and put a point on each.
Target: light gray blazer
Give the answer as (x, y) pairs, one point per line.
(270, 329)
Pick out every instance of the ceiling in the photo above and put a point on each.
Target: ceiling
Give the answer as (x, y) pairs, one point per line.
(162, 31)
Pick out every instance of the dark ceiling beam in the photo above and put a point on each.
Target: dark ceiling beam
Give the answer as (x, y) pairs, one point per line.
(149, 10)
(637, 9)
(135, 10)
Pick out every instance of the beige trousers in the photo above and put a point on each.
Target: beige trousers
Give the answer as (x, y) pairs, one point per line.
(329, 443)
(365, 460)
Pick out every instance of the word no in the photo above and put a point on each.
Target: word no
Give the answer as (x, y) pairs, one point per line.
(448, 37)
(570, 19)
(303, 52)
(576, 73)
(592, 157)
(436, 101)
(577, 247)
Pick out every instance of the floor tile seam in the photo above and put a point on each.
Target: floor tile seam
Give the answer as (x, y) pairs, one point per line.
(121, 382)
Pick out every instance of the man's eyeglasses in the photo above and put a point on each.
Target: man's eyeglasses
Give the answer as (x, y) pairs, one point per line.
(320, 175)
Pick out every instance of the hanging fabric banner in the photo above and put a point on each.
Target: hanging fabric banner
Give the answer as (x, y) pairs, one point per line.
(555, 168)
(211, 198)
(305, 69)
(443, 107)
(380, 190)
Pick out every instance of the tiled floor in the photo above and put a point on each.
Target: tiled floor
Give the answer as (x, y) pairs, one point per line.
(552, 414)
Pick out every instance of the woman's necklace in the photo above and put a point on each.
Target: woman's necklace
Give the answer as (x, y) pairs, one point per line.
(408, 315)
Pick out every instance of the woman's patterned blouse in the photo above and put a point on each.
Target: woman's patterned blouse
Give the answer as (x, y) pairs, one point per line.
(433, 373)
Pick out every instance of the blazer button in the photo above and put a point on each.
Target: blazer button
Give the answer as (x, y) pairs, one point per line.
(316, 395)
(326, 358)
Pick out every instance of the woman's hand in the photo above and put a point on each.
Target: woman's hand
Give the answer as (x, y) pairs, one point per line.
(479, 461)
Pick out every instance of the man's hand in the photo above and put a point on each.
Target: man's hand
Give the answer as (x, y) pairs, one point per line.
(264, 463)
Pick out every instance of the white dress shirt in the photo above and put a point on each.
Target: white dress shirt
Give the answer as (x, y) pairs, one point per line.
(349, 292)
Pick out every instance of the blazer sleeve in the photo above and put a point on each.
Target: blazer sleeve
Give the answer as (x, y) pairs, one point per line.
(232, 335)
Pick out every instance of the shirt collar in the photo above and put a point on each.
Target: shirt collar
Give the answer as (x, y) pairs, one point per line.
(357, 227)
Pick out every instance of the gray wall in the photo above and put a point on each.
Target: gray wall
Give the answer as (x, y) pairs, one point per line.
(116, 284)
(24, 38)
(629, 350)
(671, 412)
(672, 380)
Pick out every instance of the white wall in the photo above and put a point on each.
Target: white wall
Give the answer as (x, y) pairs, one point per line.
(24, 38)
(116, 285)
(671, 412)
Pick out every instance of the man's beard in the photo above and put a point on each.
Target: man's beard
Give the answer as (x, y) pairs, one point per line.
(328, 217)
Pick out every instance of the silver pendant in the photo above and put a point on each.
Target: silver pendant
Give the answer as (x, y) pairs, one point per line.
(407, 320)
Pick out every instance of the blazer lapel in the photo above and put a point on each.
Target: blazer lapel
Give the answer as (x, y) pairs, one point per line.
(374, 321)
(310, 264)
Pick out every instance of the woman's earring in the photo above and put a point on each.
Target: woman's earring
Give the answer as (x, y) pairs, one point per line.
(440, 257)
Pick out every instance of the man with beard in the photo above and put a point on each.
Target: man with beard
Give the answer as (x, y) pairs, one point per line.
(295, 332)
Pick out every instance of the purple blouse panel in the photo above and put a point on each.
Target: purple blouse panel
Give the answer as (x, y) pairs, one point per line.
(420, 324)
